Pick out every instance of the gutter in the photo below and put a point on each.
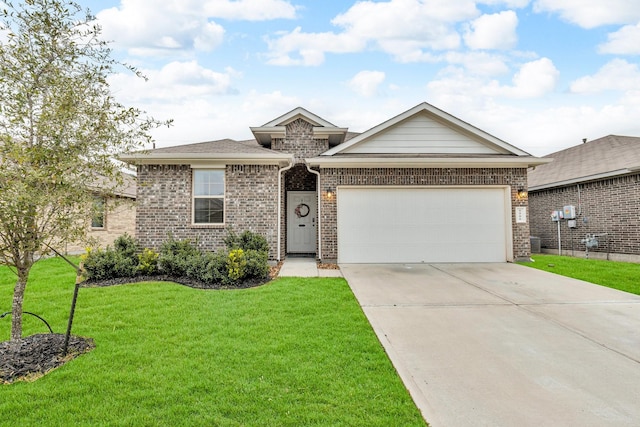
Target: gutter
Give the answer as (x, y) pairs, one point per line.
(280, 171)
(319, 202)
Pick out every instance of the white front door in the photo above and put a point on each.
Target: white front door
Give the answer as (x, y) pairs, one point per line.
(301, 221)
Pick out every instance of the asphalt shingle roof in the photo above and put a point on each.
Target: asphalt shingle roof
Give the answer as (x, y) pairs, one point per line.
(222, 146)
(608, 154)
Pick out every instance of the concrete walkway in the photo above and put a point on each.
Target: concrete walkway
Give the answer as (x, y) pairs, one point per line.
(305, 267)
(506, 345)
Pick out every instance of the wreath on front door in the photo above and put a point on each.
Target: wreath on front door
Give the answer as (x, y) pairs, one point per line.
(302, 210)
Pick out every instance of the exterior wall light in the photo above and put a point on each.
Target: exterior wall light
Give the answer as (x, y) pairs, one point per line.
(522, 194)
(330, 193)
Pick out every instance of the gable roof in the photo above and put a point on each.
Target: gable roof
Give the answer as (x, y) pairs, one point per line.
(220, 151)
(425, 135)
(600, 158)
(321, 128)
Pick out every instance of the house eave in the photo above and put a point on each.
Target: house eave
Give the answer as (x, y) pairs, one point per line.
(422, 162)
(200, 159)
(589, 178)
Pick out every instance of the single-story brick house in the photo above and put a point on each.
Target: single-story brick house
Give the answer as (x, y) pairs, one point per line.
(423, 186)
(601, 178)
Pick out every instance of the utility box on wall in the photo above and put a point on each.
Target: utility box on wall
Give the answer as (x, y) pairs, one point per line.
(569, 212)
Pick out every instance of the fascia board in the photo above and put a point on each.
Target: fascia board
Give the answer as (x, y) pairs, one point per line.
(203, 159)
(582, 179)
(341, 162)
(299, 112)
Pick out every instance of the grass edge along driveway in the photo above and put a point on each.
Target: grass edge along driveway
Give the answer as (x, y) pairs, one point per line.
(612, 274)
(292, 352)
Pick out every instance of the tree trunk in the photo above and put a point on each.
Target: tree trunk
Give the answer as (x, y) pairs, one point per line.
(18, 298)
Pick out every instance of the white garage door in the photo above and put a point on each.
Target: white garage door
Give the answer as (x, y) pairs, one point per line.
(395, 225)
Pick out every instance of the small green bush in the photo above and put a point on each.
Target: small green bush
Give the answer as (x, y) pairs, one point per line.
(246, 241)
(177, 257)
(126, 246)
(107, 264)
(257, 264)
(148, 261)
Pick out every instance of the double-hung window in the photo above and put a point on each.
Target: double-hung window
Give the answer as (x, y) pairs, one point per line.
(208, 196)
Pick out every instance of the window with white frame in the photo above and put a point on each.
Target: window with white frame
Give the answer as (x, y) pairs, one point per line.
(208, 196)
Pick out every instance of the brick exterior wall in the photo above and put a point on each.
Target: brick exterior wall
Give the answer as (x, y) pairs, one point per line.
(609, 206)
(514, 177)
(299, 141)
(165, 204)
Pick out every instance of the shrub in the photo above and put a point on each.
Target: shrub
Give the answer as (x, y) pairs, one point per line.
(148, 261)
(246, 241)
(177, 257)
(236, 264)
(257, 265)
(108, 264)
(126, 246)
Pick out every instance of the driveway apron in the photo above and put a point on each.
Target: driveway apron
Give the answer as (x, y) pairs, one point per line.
(505, 345)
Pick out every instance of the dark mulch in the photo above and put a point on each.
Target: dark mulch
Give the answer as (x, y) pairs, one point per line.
(32, 357)
(186, 281)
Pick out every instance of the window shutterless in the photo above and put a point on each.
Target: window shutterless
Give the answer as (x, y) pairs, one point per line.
(208, 196)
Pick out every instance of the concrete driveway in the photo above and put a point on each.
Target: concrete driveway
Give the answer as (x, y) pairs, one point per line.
(504, 344)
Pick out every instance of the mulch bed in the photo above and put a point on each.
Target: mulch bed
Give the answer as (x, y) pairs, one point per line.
(186, 281)
(32, 357)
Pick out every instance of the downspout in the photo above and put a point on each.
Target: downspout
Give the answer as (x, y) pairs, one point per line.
(319, 201)
(280, 171)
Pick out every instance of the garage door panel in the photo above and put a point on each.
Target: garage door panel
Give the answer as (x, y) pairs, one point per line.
(421, 225)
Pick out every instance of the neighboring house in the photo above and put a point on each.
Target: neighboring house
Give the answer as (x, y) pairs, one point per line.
(115, 216)
(423, 186)
(601, 178)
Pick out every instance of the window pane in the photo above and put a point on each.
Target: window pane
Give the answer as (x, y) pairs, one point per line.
(209, 211)
(98, 213)
(208, 182)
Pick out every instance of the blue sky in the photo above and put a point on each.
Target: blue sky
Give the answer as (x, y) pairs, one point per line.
(539, 74)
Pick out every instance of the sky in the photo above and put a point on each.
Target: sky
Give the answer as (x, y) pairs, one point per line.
(538, 74)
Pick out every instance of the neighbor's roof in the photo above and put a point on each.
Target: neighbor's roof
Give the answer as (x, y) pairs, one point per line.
(248, 151)
(598, 159)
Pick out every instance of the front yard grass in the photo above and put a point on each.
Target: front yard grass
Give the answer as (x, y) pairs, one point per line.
(624, 276)
(290, 353)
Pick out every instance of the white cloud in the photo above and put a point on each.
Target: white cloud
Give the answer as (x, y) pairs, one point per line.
(406, 29)
(151, 28)
(366, 83)
(479, 63)
(592, 13)
(508, 3)
(624, 41)
(250, 10)
(534, 80)
(496, 31)
(618, 74)
(310, 47)
(174, 82)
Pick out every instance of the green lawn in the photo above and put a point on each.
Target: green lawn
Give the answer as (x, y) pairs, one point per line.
(624, 276)
(295, 352)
